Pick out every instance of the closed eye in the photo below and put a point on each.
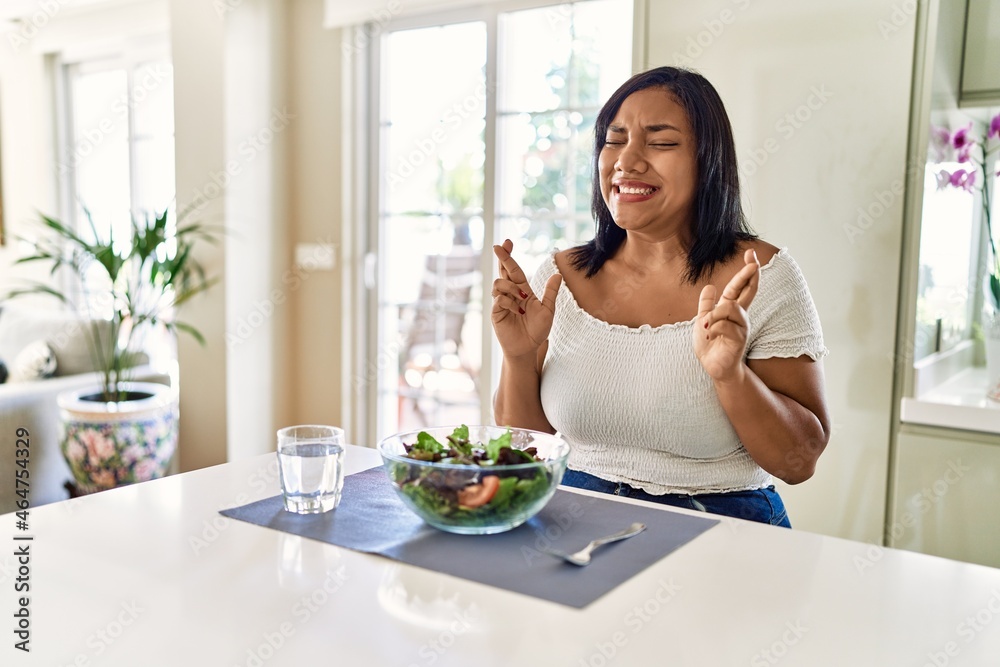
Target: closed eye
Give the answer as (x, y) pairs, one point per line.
(663, 144)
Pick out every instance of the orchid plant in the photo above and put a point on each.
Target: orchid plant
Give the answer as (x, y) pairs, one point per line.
(965, 147)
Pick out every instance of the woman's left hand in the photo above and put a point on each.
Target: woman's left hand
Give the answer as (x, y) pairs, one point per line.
(720, 331)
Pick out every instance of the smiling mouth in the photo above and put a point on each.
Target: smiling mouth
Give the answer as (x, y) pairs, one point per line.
(629, 190)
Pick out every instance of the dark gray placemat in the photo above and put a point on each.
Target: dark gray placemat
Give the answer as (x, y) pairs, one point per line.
(371, 518)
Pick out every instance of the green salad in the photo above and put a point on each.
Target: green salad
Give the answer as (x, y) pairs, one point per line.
(464, 497)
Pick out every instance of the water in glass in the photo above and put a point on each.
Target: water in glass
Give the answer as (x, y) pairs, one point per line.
(312, 476)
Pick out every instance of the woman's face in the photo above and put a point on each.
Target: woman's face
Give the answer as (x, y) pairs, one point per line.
(648, 166)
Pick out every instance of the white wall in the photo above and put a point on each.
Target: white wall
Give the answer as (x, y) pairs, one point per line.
(198, 45)
(845, 68)
(318, 311)
(258, 122)
(258, 111)
(26, 157)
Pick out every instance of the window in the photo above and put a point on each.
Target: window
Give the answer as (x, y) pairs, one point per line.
(546, 118)
(466, 160)
(118, 142)
(953, 242)
(947, 265)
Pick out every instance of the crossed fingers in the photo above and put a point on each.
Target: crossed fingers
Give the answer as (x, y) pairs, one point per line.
(511, 289)
(729, 312)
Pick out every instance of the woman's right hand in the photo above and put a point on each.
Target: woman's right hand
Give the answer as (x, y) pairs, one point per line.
(520, 320)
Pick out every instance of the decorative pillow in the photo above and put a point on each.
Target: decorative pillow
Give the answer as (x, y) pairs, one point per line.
(34, 362)
(71, 343)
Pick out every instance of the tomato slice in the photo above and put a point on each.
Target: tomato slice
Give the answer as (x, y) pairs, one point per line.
(477, 495)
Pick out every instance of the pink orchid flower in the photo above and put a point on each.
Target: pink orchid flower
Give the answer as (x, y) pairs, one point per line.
(961, 138)
(940, 141)
(994, 130)
(963, 179)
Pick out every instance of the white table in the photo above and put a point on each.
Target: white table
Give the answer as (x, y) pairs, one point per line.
(152, 575)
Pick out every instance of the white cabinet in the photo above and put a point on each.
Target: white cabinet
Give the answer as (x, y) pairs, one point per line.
(947, 495)
(981, 63)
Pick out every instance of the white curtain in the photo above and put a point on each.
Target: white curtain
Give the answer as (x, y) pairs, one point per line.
(352, 12)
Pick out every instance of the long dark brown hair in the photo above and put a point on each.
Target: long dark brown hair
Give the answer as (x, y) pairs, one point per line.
(719, 222)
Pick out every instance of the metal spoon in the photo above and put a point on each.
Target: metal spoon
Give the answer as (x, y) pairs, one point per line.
(582, 557)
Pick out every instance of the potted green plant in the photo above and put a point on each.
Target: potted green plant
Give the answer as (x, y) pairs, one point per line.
(119, 431)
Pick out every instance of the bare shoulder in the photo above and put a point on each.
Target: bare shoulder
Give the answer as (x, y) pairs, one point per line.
(564, 262)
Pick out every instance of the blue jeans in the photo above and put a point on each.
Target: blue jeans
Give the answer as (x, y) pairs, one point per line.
(763, 505)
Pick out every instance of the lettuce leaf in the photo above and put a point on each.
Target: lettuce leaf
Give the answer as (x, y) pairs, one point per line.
(427, 443)
(496, 444)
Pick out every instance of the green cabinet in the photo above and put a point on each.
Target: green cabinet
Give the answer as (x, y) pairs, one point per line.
(946, 494)
(980, 70)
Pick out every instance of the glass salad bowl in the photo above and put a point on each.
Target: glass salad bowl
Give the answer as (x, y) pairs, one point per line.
(474, 480)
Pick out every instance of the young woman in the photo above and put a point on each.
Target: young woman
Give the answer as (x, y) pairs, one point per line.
(676, 352)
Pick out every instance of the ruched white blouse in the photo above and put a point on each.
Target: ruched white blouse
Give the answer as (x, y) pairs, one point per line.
(636, 405)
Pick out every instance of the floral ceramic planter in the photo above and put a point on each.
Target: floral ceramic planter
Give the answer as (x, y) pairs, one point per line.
(114, 444)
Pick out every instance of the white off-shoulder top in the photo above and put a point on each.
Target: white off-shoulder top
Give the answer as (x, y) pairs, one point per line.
(636, 405)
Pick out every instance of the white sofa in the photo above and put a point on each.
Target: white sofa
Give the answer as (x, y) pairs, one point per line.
(32, 405)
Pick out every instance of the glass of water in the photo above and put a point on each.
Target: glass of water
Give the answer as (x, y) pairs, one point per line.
(311, 466)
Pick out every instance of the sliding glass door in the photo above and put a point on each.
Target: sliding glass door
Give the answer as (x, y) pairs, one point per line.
(485, 132)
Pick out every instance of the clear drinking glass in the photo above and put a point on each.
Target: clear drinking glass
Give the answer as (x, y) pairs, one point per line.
(311, 466)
